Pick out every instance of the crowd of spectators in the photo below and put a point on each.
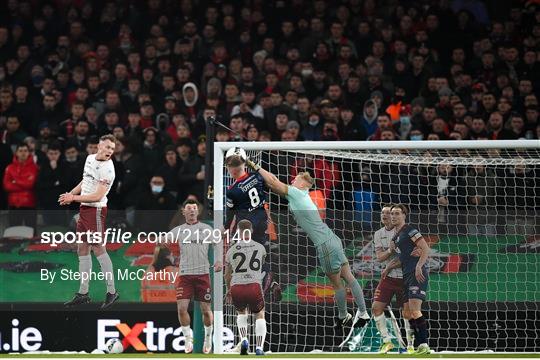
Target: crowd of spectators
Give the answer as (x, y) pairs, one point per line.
(152, 73)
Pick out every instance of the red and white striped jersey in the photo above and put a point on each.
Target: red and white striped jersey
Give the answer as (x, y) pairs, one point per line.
(194, 241)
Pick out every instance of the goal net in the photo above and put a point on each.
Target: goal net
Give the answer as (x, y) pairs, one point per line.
(476, 204)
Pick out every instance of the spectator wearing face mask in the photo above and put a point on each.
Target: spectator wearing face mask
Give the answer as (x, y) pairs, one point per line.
(314, 126)
(155, 207)
(416, 134)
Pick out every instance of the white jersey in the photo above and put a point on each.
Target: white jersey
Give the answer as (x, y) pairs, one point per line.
(381, 240)
(97, 172)
(194, 241)
(246, 259)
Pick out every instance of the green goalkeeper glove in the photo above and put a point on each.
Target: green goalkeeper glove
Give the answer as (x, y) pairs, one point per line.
(252, 165)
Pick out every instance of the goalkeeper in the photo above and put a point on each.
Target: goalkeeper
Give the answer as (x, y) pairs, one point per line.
(329, 248)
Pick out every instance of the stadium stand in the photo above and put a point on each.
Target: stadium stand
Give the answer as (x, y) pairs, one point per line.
(152, 72)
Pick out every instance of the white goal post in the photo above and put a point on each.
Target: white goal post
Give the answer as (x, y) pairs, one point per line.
(359, 151)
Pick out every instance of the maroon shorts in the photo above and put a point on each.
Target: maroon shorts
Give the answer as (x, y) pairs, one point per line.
(194, 286)
(91, 219)
(387, 288)
(247, 296)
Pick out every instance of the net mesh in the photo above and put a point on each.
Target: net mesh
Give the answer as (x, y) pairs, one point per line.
(476, 208)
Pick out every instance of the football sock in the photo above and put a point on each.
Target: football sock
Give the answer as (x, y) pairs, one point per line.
(380, 321)
(208, 331)
(107, 269)
(241, 322)
(186, 331)
(421, 330)
(260, 332)
(85, 267)
(341, 300)
(409, 333)
(356, 290)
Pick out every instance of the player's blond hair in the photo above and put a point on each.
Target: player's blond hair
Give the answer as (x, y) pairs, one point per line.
(307, 177)
(109, 137)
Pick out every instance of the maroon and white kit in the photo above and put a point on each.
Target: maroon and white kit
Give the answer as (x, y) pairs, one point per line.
(246, 259)
(194, 241)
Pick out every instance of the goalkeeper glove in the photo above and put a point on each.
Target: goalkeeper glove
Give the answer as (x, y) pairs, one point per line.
(252, 165)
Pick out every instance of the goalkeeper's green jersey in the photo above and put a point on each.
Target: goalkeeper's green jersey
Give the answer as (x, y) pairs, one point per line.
(307, 216)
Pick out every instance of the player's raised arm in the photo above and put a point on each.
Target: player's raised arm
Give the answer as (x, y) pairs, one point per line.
(270, 179)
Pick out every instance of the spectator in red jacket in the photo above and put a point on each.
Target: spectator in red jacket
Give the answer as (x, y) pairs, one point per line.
(19, 180)
(325, 173)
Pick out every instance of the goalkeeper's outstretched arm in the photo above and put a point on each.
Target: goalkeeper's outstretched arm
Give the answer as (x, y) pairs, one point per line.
(270, 179)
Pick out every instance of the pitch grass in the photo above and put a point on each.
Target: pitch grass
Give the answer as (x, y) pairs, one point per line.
(283, 356)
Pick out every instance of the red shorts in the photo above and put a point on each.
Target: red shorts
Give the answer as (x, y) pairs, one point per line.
(92, 219)
(387, 288)
(194, 286)
(247, 296)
